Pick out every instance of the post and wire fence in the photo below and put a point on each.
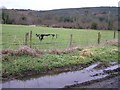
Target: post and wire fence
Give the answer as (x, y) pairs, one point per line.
(61, 42)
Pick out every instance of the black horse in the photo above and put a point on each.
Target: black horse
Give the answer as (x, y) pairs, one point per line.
(41, 36)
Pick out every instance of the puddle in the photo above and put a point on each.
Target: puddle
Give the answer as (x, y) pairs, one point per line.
(112, 67)
(113, 63)
(60, 80)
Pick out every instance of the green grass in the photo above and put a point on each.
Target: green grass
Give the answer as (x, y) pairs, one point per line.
(13, 37)
(106, 54)
(13, 65)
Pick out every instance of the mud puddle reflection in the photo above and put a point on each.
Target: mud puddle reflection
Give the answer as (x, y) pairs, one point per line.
(60, 80)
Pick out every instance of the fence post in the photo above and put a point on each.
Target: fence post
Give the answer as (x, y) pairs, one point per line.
(30, 39)
(56, 35)
(26, 38)
(71, 37)
(114, 34)
(99, 37)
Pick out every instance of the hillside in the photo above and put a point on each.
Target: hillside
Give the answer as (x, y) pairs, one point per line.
(87, 18)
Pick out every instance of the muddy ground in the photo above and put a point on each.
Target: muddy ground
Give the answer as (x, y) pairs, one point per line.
(112, 81)
(93, 76)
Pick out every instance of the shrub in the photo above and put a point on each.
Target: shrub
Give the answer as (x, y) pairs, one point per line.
(94, 26)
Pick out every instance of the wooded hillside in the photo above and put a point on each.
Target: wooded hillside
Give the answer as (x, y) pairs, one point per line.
(83, 18)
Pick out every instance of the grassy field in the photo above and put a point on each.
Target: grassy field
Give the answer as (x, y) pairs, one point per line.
(17, 65)
(14, 36)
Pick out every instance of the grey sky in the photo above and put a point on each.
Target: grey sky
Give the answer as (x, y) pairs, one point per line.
(55, 4)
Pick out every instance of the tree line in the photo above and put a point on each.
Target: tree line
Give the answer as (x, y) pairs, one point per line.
(97, 18)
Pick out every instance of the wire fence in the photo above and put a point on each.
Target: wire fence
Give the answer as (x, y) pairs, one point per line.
(61, 42)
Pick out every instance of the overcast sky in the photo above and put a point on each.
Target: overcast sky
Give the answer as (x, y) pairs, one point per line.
(55, 4)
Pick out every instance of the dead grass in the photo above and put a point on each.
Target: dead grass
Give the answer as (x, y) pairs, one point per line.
(113, 42)
(86, 53)
(65, 51)
(24, 50)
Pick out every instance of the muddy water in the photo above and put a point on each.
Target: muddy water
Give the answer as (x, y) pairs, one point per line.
(60, 80)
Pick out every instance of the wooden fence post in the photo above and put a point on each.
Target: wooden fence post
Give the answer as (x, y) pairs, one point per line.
(99, 37)
(114, 34)
(30, 39)
(56, 35)
(71, 37)
(26, 38)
